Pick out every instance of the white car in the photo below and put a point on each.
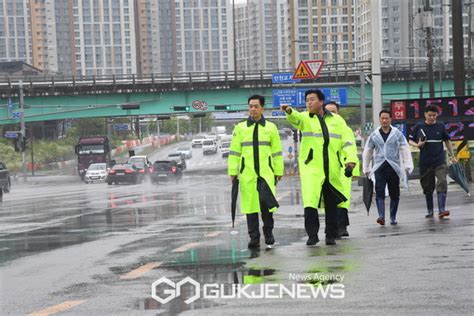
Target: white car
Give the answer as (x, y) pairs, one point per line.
(96, 172)
(197, 140)
(225, 149)
(209, 146)
(212, 136)
(186, 151)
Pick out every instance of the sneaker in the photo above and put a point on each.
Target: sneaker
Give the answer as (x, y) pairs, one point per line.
(270, 240)
(381, 221)
(312, 241)
(254, 243)
(330, 241)
(443, 214)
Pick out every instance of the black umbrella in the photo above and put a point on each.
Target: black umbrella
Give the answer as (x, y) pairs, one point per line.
(367, 192)
(456, 172)
(267, 199)
(235, 193)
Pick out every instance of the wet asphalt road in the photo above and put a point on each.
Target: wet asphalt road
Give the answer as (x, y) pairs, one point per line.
(96, 250)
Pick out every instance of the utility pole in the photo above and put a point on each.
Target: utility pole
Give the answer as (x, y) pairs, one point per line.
(22, 130)
(428, 25)
(158, 130)
(235, 40)
(458, 47)
(363, 112)
(334, 47)
(376, 13)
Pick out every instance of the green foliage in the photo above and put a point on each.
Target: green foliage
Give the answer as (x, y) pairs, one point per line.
(11, 158)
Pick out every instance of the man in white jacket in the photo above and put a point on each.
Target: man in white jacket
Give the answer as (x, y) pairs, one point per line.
(390, 155)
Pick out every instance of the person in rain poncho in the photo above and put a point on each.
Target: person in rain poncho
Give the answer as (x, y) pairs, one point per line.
(388, 152)
(256, 157)
(346, 178)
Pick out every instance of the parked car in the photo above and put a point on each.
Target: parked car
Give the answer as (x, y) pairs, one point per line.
(144, 159)
(225, 149)
(96, 172)
(209, 146)
(197, 140)
(179, 158)
(165, 170)
(186, 151)
(123, 173)
(5, 181)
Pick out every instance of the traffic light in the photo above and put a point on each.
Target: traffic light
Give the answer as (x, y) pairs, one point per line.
(131, 106)
(221, 107)
(181, 108)
(20, 144)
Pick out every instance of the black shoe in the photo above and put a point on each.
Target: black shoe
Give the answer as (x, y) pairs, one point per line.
(343, 233)
(254, 243)
(312, 241)
(270, 240)
(330, 241)
(429, 215)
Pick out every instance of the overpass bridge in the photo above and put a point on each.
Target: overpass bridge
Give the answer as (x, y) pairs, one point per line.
(59, 97)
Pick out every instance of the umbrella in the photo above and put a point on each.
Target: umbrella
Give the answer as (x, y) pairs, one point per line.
(456, 172)
(235, 193)
(367, 192)
(267, 199)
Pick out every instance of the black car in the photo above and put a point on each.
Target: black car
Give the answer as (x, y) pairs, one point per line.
(179, 158)
(124, 173)
(165, 170)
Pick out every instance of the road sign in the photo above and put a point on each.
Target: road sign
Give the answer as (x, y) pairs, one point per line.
(290, 149)
(11, 134)
(278, 113)
(295, 97)
(303, 71)
(314, 66)
(284, 78)
(121, 127)
(16, 115)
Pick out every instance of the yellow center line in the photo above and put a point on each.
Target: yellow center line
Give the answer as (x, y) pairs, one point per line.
(185, 247)
(138, 272)
(57, 308)
(214, 234)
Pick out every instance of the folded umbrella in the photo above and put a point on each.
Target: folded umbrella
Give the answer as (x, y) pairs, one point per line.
(456, 172)
(234, 194)
(367, 192)
(267, 199)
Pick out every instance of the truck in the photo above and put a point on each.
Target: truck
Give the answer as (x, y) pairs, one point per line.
(89, 150)
(220, 131)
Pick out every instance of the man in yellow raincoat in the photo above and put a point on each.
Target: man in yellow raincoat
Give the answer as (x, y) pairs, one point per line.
(346, 178)
(256, 157)
(324, 136)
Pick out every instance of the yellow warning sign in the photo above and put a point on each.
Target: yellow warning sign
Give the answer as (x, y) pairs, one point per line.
(303, 72)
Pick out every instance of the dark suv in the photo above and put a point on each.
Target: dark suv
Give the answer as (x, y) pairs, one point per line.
(164, 170)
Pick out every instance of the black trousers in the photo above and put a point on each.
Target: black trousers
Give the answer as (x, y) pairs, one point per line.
(342, 218)
(311, 216)
(253, 224)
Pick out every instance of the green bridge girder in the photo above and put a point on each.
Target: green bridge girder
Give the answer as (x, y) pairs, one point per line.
(108, 105)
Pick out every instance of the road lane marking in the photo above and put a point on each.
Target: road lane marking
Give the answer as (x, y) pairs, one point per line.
(185, 247)
(57, 308)
(214, 234)
(138, 272)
